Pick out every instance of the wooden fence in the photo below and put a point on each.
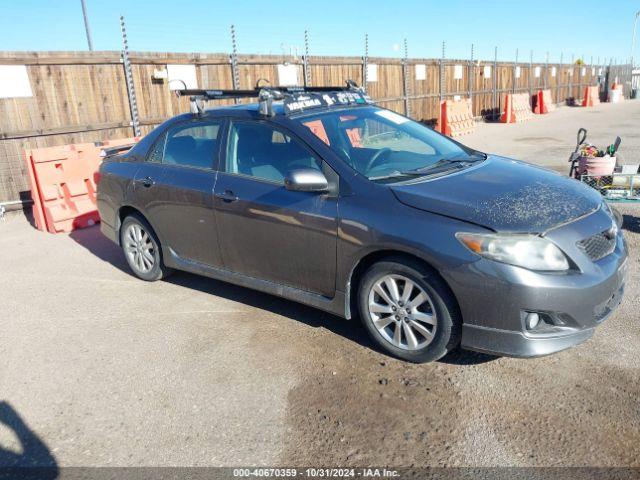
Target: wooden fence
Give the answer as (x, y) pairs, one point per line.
(82, 96)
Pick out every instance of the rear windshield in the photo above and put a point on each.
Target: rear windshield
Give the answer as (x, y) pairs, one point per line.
(381, 144)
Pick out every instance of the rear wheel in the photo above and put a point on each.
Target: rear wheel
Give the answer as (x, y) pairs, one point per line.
(408, 310)
(142, 249)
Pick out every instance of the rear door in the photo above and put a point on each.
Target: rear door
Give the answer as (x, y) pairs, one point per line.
(179, 189)
(267, 231)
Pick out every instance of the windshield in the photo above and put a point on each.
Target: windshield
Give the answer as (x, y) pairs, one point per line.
(383, 145)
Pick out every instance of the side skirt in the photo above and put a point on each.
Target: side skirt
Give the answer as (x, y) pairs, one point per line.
(335, 305)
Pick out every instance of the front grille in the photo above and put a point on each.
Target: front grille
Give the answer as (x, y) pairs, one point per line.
(598, 246)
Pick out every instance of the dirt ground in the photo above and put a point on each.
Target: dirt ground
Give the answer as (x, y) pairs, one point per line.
(101, 369)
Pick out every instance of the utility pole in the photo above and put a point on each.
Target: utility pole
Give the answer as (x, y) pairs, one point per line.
(86, 25)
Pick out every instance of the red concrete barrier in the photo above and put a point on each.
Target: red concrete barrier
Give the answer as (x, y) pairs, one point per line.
(544, 102)
(63, 184)
(517, 108)
(591, 97)
(456, 117)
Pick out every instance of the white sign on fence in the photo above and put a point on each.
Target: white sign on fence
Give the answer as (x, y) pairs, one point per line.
(584, 71)
(553, 71)
(593, 71)
(487, 72)
(182, 76)
(518, 72)
(457, 72)
(14, 81)
(537, 71)
(421, 71)
(287, 75)
(570, 72)
(372, 72)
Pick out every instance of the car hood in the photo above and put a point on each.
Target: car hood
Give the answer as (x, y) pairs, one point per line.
(503, 195)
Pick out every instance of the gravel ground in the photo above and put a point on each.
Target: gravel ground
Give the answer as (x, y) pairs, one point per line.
(106, 370)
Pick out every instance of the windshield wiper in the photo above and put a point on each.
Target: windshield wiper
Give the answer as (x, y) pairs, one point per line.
(417, 172)
(397, 173)
(439, 163)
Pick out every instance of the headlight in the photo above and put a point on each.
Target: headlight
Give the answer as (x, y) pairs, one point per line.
(528, 251)
(615, 214)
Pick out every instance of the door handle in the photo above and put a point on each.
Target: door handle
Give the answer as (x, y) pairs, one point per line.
(146, 182)
(228, 196)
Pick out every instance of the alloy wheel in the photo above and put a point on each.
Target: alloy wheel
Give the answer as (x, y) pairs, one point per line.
(139, 248)
(402, 312)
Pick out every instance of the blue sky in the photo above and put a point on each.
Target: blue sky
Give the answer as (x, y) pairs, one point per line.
(576, 27)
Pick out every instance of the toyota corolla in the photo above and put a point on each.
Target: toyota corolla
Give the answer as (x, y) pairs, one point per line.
(318, 196)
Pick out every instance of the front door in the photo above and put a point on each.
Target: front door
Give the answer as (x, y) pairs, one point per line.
(267, 231)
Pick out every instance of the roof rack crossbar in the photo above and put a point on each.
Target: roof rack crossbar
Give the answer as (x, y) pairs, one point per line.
(266, 94)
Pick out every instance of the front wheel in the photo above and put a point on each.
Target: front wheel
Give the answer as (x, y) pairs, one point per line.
(142, 249)
(409, 311)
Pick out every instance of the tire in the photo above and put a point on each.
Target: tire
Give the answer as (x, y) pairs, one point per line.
(430, 310)
(141, 249)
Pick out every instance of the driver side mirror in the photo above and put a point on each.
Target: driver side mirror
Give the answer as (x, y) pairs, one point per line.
(306, 180)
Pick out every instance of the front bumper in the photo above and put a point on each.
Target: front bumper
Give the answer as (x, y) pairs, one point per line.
(494, 299)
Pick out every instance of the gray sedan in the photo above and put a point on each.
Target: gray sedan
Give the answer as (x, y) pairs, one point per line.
(362, 212)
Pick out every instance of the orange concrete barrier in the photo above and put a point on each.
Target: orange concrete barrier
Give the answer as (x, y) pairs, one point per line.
(591, 97)
(616, 94)
(63, 184)
(456, 117)
(517, 108)
(544, 102)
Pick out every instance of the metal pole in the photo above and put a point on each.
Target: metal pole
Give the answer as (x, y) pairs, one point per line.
(571, 84)
(531, 75)
(365, 61)
(559, 79)
(546, 72)
(133, 104)
(582, 65)
(496, 107)
(633, 38)
(305, 64)
(86, 25)
(442, 85)
(405, 81)
(235, 75)
(471, 76)
(515, 67)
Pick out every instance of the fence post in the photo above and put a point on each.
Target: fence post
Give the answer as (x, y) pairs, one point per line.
(496, 107)
(405, 81)
(128, 75)
(442, 85)
(531, 76)
(559, 83)
(471, 77)
(365, 60)
(235, 76)
(546, 72)
(515, 67)
(305, 63)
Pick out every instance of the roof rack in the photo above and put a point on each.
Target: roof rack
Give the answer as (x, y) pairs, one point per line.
(295, 98)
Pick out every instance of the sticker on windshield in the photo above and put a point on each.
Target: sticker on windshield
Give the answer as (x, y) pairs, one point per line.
(394, 117)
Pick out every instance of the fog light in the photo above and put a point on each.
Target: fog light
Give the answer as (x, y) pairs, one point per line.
(532, 320)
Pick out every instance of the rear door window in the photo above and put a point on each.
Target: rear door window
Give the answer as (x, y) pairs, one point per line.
(192, 145)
